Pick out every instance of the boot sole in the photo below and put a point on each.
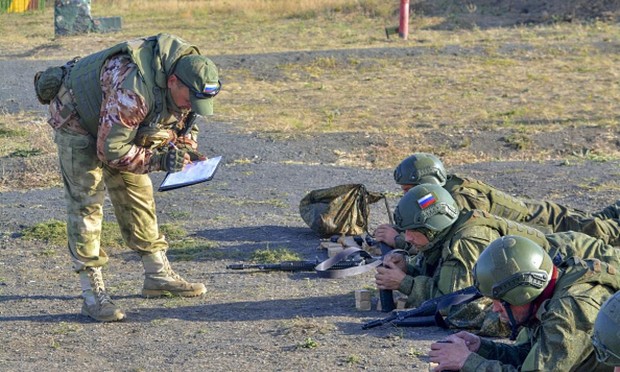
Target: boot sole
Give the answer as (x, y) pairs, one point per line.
(150, 293)
(116, 318)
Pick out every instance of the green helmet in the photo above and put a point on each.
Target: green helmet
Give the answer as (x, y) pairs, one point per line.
(513, 269)
(606, 337)
(426, 206)
(420, 168)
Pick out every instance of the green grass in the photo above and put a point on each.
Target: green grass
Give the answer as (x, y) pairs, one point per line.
(524, 80)
(274, 255)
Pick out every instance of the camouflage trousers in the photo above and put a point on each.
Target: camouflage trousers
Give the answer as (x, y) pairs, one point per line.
(604, 225)
(85, 179)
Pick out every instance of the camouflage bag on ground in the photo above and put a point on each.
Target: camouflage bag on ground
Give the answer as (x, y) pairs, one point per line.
(341, 209)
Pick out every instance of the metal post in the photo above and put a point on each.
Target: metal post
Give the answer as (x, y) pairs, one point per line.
(403, 28)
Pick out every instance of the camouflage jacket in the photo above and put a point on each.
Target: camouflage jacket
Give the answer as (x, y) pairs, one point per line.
(445, 265)
(558, 337)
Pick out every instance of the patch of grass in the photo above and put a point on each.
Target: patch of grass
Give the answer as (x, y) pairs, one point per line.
(64, 328)
(55, 232)
(518, 141)
(478, 78)
(12, 133)
(25, 153)
(179, 215)
(308, 343)
(353, 359)
(173, 232)
(190, 249)
(274, 255)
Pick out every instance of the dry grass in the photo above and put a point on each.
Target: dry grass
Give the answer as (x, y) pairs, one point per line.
(525, 81)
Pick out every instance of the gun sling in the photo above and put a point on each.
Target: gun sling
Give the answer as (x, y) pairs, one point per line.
(323, 269)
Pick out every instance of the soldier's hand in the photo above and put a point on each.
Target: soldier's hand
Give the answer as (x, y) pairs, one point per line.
(471, 340)
(189, 146)
(195, 155)
(389, 276)
(170, 160)
(450, 354)
(397, 259)
(386, 233)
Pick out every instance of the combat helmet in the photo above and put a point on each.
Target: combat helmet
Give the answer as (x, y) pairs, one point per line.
(420, 168)
(428, 207)
(606, 337)
(513, 269)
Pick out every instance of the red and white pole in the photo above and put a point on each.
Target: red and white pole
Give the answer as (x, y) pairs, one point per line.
(403, 28)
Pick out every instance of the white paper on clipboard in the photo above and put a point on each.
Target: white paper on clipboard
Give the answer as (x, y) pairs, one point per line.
(192, 174)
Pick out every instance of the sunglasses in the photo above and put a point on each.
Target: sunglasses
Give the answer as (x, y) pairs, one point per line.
(210, 90)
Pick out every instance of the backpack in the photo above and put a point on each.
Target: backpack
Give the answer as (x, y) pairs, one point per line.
(340, 209)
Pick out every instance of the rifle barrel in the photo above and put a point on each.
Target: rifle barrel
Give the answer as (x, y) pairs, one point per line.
(294, 266)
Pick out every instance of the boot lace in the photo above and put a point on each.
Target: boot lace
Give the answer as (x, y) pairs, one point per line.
(169, 271)
(99, 287)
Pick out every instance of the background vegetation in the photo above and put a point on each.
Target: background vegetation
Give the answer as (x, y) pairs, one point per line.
(524, 81)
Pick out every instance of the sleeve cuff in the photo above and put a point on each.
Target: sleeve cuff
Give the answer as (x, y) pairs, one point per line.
(406, 286)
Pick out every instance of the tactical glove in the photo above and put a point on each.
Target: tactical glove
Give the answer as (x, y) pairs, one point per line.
(194, 155)
(169, 160)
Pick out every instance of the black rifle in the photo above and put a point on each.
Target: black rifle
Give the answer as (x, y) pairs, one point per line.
(425, 314)
(295, 265)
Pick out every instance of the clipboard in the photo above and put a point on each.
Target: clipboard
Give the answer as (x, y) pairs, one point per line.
(192, 174)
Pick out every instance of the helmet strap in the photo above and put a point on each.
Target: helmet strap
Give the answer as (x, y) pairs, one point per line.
(514, 325)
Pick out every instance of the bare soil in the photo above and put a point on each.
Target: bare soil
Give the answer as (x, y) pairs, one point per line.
(248, 320)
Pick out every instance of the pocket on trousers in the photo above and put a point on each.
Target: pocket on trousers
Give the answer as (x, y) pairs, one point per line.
(77, 152)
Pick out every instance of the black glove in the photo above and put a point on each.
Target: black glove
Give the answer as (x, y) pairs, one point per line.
(169, 160)
(195, 155)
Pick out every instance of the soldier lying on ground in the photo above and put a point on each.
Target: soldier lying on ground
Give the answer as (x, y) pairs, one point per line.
(556, 306)
(606, 335)
(471, 194)
(449, 242)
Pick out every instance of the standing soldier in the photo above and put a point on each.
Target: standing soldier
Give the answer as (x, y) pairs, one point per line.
(118, 115)
(555, 306)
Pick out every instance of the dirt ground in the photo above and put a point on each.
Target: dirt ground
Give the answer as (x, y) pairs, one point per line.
(247, 320)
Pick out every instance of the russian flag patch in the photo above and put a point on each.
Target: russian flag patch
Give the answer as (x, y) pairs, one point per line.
(426, 201)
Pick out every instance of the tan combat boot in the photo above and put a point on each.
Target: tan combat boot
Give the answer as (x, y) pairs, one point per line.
(160, 280)
(97, 304)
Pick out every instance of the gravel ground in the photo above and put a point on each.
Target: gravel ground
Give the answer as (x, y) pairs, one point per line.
(247, 320)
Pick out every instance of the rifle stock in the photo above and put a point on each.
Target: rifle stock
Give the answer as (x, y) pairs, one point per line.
(427, 309)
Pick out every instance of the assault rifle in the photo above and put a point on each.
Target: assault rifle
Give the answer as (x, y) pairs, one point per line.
(425, 314)
(294, 266)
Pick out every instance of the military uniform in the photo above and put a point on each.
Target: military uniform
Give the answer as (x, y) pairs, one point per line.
(558, 338)
(115, 120)
(445, 265)
(474, 194)
(97, 136)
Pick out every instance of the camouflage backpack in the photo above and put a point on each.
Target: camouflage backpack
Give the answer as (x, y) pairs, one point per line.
(340, 209)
